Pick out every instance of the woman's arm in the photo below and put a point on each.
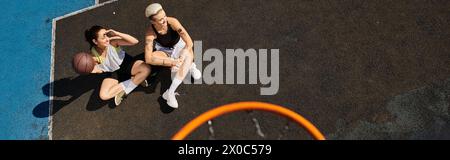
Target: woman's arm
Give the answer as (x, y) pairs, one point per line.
(96, 69)
(155, 59)
(121, 39)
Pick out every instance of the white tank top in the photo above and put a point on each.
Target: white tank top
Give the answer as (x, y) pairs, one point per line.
(114, 57)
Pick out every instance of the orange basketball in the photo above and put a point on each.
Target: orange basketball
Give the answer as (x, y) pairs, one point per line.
(83, 63)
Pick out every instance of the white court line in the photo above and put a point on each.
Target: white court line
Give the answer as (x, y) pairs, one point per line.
(52, 58)
(85, 9)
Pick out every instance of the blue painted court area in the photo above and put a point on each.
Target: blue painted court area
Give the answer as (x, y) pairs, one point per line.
(26, 31)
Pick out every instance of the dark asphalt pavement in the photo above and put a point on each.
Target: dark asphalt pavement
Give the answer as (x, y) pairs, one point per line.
(356, 69)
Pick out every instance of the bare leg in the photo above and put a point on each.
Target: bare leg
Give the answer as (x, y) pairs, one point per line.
(186, 62)
(140, 71)
(109, 88)
(187, 59)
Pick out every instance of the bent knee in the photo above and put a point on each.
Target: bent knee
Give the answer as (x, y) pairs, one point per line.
(104, 96)
(145, 69)
(187, 54)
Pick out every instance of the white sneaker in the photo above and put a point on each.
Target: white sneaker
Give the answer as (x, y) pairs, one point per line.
(196, 74)
(170, 98)
(144, 83)
(118, 98)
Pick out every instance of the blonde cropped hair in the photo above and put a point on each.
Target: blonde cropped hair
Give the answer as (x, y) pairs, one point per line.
(152, 9)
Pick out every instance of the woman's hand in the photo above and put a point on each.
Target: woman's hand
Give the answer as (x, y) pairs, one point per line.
(115, 38)
(176, 64)
(111, 33)
(96, 70)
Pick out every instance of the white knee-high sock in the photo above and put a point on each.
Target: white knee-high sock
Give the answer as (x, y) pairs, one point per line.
(128, 86)
(175, 83)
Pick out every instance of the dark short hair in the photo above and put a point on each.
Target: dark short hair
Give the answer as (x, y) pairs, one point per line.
(91, 34)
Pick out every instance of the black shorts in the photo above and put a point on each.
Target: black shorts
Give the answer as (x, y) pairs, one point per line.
(124, 72)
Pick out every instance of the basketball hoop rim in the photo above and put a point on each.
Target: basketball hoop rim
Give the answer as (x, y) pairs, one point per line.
(251, 105)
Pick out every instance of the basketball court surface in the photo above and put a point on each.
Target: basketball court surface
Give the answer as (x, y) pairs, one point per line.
(355, 69)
